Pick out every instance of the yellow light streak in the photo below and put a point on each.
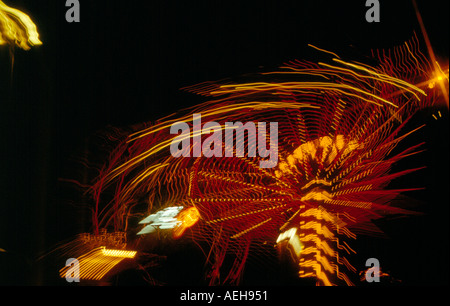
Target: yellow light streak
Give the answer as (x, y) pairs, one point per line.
(250, 228)
(319, 228)
(188, 217)
(296, 86)
(165, 144)
(326, 51)
(17, 29)
(378, 77)
(95, 264)
(118, 253)
(317, 196)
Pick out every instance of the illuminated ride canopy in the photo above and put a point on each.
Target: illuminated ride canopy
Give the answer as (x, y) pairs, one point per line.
(338, 124)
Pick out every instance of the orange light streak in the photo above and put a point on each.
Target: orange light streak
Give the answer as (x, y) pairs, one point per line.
(17, 28)
(95, 264)
(188, 218)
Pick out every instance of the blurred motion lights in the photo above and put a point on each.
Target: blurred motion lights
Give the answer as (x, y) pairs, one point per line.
(17, 29)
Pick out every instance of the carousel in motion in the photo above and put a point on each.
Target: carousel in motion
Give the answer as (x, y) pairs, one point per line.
(337, 126)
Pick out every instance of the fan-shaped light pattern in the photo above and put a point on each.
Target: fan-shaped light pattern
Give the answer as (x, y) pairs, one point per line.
(339, 122)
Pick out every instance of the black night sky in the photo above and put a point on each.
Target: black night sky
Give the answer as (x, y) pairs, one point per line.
(124, 64)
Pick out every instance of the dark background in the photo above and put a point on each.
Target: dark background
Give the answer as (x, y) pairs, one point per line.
(124, 64)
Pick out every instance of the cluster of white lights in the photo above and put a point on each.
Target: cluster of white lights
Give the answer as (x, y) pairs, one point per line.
(163, 219)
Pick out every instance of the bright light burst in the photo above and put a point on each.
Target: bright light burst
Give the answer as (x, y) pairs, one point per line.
(339, 123)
